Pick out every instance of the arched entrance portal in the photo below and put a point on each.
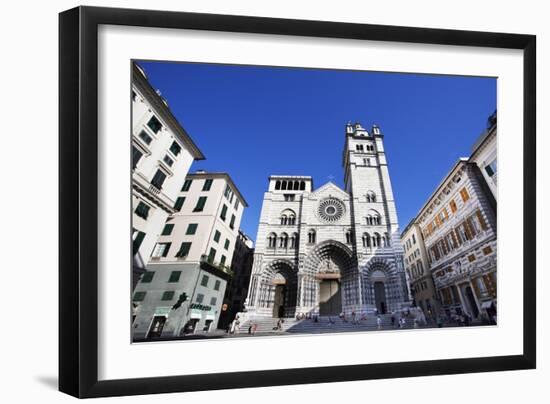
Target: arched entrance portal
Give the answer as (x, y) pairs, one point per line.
(382, 287)
(279, 289)
(380, 297)
(331, 281)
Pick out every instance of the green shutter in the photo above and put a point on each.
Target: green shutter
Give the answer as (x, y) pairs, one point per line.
(200, 204)
(179, 203)
(139, 296)
(207, 185)
(184, 249)
(192, 228)
(186, 185)
(174, 276)
(168, 295)
(167, 229)
(147, 277)
(217, 235)
(224, 212)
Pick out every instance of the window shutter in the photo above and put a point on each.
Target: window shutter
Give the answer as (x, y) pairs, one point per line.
(481, 220)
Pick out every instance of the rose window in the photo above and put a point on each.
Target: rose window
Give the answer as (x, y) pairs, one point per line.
(331, 210)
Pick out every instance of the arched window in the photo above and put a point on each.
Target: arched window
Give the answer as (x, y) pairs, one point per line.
(283, 185)
(387, 237)
(272, 240)
(371, 196)
(288, 217)
(349, 237)
(278, 184)
(283, 241)
(366, 240)
(311, 236)
(302, 185)
(376, 240)
(296, 185)
(294, 240)
(420, 267)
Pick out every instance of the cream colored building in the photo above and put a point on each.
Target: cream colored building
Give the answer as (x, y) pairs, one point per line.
(417, 266)
(162, 153)
(484, 155)
(192, 255)
(458, 224)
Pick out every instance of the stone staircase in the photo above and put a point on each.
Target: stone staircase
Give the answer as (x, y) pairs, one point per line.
(323, 325)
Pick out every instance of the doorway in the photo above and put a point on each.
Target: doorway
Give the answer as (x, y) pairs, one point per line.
(380, 297)
(472, 301)
(330, 299)
(155, 331)
(279, 301)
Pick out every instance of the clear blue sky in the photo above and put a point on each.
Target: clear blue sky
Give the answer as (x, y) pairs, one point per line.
(256, 121)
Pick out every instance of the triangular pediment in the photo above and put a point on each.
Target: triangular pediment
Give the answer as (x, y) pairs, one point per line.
(330, 189)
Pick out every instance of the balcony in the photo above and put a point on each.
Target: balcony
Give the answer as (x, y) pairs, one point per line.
(205, 260)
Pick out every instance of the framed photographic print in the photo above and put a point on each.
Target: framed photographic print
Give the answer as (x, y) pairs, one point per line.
(251, 201)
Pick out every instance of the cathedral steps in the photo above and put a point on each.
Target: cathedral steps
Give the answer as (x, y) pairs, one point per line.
(323, 325)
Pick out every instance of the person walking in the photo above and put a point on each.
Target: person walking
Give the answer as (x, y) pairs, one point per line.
(393, 319)
(379, 322)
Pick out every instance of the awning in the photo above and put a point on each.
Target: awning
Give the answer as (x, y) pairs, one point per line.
(210, 317)
(196, 314)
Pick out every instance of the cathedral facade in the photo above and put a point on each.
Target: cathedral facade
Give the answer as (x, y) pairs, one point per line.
(329, 250)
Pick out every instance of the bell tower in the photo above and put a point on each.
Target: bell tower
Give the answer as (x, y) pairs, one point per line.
(374, 215)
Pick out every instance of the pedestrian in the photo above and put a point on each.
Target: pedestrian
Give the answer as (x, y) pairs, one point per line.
(379, 322)
(254, 328)
(250, 328)
(393, 320)
(353, 321)
(415, 323)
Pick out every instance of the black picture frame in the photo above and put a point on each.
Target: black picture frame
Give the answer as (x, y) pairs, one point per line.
(78, 196)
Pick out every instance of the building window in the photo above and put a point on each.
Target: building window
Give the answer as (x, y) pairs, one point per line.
(136, 156)
(452, 205)
(228, 193)
(487, 250)
(179, 203)
(212, 255)
(191, 228)
(184, 250)
(222, 260)
(174, 276)
(154, 124)
(200, 204)
(366, 240)
(186, 185)
(349, 237)
(139, 296)
(217, 284)
(213, 301)
(204, 280)
(199, 298)
(142, 210)
(167, 229)
(359, 147)
(207, 184)
(283, 240)
(471, 257)
(168, 295)
(464, 194)
(138, 239)
(311, 236)
(371, 196)
(217, 236)
(175, 148)
(294, 240)
(147, 277)
(226, 244)
(272, 240)
(145, 137)
(491, 169)
(161, 250)
(223, 213)
(168, 160)
(289, 197)
(232, 222)
(158, 179)
(236, 204)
